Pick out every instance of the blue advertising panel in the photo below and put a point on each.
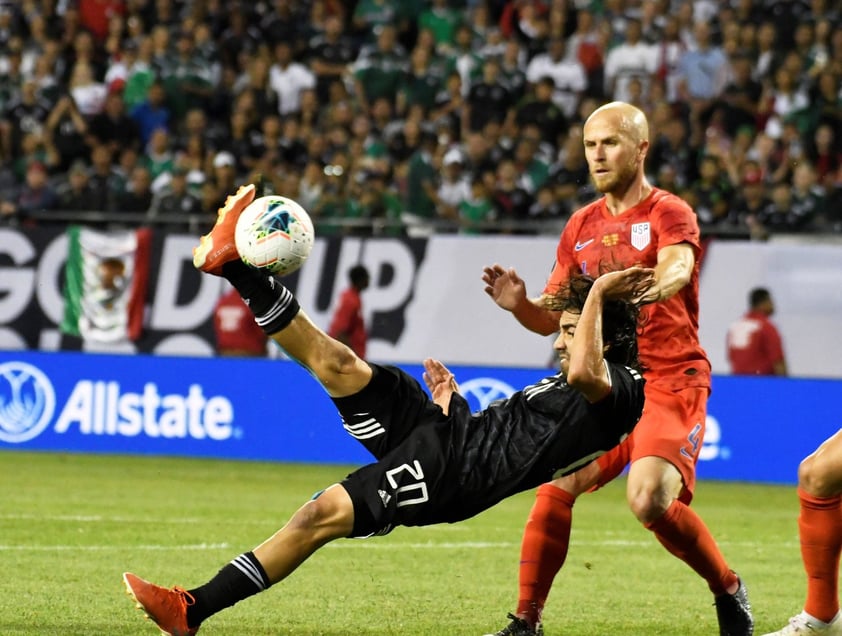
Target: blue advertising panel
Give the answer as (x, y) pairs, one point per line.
(758, 429)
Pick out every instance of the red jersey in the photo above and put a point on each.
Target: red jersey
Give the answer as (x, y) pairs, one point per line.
(594, 241)
(347, 324)
(236, 331)
(754, 345)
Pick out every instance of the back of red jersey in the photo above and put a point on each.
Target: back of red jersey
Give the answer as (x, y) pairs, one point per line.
(594, 242)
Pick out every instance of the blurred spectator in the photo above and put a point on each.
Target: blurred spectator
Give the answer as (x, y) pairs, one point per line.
(74, 191)
(569, 176)
(568, 75)
(547, 207)
(754, 343)
(488, 101)
(476, 213)
(703, 73)
(633, 59)
(538, 108)
(670, 146)
(454, 184)
(712, 192)
(188, 77)
(158, 158)
(781, 216)
(442, 20)
(234, 328)
(88, 94)
(379, 68)
(511, 199)
(420, 207)
(65, 131)
(824, 152)
(137, 197)
(152, 113)
(176, 200)
(808, 198)
(347, 324)
(740, 97)
(105, 181)
(25, 113)
(35, 195)
(289, 78)
(255, 82)
(331, 54)
(113, 126)
(420, 85)
(750, 204)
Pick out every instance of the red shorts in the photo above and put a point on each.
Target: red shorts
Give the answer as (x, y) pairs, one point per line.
(672, 427)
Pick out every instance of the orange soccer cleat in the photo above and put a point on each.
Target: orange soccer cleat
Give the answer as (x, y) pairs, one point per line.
(217, 246)
(167, 608)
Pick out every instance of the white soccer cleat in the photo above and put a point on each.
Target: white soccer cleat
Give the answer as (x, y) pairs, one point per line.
(803, 623)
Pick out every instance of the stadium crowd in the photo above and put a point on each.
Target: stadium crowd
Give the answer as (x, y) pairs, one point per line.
(414, 116)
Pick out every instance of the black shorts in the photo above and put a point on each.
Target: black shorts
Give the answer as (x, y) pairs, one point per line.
(395, 419)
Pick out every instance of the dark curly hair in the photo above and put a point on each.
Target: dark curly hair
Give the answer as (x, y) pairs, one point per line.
(620, 319)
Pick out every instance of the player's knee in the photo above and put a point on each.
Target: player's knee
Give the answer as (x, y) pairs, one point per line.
(326, 516)
(648, 504)
(815, 478)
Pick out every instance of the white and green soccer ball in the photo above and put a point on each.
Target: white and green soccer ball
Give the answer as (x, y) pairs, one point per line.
(274, 233)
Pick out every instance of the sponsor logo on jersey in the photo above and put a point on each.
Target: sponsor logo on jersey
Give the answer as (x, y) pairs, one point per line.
(480, 392)
(384, 497)
(27, 402)
(610, 240)
(640, 235)
(580, 246)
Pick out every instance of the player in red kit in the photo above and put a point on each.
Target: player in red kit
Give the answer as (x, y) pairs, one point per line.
(634, 223)
(754, 343)
(234, 328)
(347, 324)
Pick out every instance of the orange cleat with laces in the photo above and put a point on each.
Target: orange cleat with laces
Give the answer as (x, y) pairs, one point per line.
(166, 608)
(217, 246)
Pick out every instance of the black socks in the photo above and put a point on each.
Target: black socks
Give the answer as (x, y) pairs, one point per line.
(272, 304)
(239, 579)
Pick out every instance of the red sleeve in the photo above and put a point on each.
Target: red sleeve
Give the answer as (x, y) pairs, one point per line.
(676, 222)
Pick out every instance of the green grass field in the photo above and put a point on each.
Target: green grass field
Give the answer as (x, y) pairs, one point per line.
(71, 524)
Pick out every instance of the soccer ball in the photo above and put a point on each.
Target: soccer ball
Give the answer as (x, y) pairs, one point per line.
(274, 233)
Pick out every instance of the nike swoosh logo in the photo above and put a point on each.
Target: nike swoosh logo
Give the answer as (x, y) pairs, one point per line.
(580, 246)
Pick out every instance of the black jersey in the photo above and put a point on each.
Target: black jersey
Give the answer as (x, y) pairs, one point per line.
(433, 468)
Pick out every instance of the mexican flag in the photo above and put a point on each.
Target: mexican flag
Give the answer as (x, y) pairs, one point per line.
(105, 284)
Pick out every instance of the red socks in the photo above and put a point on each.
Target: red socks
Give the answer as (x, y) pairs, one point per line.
(683, 533)
(543, 550)
(820, 531)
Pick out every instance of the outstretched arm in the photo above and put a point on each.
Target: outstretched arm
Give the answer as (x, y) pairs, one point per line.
(440, 382)
(672, 273)
(508, 290)
(587, 371)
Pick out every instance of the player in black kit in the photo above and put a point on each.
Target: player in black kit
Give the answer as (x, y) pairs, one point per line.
(437, 462)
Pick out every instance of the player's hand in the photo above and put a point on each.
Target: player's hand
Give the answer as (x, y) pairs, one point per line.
(632, 284)
(440, 382)
(504, 286)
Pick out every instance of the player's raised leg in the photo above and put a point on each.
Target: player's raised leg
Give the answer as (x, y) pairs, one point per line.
(275, 308)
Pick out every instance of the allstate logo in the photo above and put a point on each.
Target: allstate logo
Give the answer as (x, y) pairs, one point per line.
(484, 391)
(27, 402)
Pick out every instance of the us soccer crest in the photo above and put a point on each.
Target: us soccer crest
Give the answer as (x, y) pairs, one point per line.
(640, 235)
